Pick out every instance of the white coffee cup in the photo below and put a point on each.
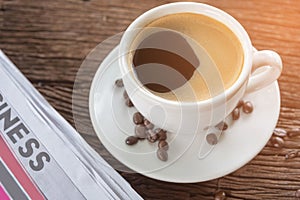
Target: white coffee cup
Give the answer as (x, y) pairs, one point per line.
(194, 117)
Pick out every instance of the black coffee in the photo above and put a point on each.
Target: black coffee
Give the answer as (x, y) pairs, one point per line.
(164, 61)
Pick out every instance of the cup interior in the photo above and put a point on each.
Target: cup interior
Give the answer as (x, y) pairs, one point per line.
(188, 7)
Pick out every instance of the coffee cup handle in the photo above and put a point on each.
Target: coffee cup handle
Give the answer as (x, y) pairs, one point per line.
(266, 69)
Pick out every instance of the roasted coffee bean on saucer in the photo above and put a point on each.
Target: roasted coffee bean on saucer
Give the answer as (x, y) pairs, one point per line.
(140, 131)
(162, 134)
(247, 107)
(235, 114)
(162, 154)
(128, 102)
(138, 118)
(212, 139)
(125, 95)
(152, 136)
(144, 129)
(131, 140)
(148, 124)
(240, 104)
(119, 83)
(163, 144)
(222, 126)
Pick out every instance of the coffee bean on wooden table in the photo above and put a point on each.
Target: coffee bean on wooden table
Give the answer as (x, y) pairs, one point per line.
(131, 140)
(279, 132)
(292, 154)
(221, 195)
(277, 142)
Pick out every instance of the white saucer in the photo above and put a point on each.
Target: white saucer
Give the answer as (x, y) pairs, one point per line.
(242, 141)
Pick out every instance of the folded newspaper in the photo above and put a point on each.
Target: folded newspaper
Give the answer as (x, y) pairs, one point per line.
(41, 155)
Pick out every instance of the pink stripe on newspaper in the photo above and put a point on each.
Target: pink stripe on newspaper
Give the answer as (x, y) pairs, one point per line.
(18, 171)
(3, 195)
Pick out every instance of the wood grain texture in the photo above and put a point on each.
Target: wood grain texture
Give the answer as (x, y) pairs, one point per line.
(48, 41)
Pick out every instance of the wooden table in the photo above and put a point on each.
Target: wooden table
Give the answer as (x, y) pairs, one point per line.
(48, 40)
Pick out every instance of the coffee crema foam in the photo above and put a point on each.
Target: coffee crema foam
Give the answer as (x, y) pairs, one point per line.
(186, 57)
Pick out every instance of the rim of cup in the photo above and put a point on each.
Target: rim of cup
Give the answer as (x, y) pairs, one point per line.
(188, 7)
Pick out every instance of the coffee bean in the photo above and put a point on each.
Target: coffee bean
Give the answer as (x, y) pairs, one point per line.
(148, 124)
(292, 154)
(221, 195)
(152, 136)
(222, 126)
(119, 83)
(240, 104)
(212, 139)
(280, 132)
(235, 114)
(247, 107)
(140, 131)
(162, 134)
(128, 103)
(297, 193)
(131, 140)
(162, 154)
(277, 142)
(162, 144)
(125, 95)
(138, 118)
